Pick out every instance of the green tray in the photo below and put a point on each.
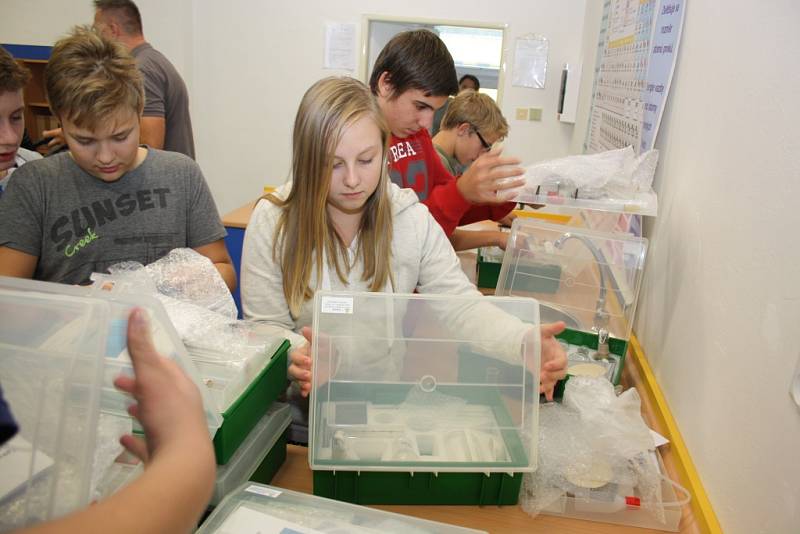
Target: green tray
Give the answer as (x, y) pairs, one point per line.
(542, 277)
(414, 487)
(589, 339)
(240, 418)
(375, 487)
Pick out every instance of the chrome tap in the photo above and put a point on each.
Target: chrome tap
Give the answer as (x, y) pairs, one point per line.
(600, 314)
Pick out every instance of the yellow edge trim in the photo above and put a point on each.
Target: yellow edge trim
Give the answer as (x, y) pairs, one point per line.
(700, 504)
(555, 217)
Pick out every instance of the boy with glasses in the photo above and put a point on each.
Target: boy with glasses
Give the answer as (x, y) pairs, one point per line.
(469, 128)
(472, 124)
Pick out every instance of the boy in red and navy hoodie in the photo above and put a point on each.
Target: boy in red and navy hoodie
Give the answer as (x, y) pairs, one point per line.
(413, 76)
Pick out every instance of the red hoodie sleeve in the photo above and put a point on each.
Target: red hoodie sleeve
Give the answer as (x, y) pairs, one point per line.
(483, 212)
(444, 201)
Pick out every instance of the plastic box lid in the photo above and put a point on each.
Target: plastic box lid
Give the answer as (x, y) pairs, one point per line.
(260, 509)
(239, 468)
(641, 203)
(599, 274)
(239, 353)
(60, 350)
(424, 383)
(252, 451)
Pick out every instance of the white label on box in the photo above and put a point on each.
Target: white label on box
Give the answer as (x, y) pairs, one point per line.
(337, 305)
(245, 520)
(266, 492)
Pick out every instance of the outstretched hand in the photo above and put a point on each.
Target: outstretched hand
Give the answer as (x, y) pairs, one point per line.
(168, 404)
(300, 364)
(488, 175)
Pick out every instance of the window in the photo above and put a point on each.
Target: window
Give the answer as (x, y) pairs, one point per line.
(476, 49)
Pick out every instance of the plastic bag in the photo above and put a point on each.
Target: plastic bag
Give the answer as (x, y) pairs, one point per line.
(186, 275)
(594, 447)
(614, 174)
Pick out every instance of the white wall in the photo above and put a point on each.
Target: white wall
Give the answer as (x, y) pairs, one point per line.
(41, 22)
(254, 60)
(591, 35)
(720, 305)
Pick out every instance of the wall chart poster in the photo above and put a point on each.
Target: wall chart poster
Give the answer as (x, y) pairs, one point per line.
(638, 48)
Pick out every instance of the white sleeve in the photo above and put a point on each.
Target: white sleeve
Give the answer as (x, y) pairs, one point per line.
(261, 276)
(441, 273)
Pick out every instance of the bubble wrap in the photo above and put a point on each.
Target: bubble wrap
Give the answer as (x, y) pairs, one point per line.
(614, 174)
(592, 440)
(185, 275)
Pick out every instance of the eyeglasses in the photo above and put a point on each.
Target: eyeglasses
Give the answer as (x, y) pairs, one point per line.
(484, 144)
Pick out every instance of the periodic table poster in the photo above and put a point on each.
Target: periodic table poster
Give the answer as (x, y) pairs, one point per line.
(636, 58)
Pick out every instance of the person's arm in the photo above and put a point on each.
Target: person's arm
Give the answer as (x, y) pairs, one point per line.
(21, 224)
(487, 212)
(263, 299)
(17, 264)
(469, 239)
(204, 231)
(447, 205)
(57, 135)
(153, 124)
(554, 358)
(217, 252)
(300, 364)
(441, 273)
(172, 493)
(152, 131)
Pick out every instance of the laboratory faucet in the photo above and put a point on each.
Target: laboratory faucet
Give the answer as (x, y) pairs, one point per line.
(600, 314)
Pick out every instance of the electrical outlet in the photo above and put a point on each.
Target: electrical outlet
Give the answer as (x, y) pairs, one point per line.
(535, 114)
(522, 114)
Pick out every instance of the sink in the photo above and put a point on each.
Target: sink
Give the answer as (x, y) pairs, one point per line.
(548, 314)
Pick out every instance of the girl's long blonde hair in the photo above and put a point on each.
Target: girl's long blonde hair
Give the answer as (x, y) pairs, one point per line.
(305, 235)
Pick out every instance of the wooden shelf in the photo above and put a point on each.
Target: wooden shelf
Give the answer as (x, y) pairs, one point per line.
(37, 111)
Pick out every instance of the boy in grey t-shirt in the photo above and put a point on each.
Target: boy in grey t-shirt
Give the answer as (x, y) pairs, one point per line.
(108, 199)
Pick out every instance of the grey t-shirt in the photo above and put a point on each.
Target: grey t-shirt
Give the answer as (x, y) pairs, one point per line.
(165, 95)
(77, 224)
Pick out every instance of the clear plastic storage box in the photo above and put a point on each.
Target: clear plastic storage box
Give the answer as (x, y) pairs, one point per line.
(241, 364)
(259, 509)
(588, 279)
(60, 351)
(615, 503)
(412, 384)
(259, 443)
(228, 373)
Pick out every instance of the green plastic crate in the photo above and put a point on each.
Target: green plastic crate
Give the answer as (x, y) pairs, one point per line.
(273, 461)
(371, 487)
(616, 346)
(417, 488)
(242, 415)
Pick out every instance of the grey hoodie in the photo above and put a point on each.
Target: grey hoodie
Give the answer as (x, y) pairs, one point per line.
(423, 260)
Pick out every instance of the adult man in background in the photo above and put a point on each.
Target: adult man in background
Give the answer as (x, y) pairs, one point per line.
(166, 123)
